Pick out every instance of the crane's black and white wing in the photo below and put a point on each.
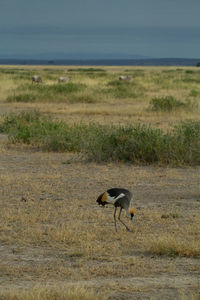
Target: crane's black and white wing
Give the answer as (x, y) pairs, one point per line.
(111, 196)
(115, 194)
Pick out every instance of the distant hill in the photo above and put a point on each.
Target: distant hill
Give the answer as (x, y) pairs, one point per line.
(104, 62)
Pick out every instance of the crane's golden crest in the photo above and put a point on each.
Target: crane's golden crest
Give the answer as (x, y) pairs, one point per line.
(104, 197)
(132, 210)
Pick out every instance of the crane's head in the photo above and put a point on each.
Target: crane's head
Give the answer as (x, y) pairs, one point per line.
(131, 212)
(101, 200)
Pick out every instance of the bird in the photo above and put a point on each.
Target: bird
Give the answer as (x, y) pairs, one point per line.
(119, 197)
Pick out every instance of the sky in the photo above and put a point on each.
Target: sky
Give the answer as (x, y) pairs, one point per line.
(83, 29)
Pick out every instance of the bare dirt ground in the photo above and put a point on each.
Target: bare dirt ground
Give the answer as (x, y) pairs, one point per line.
(54, 234)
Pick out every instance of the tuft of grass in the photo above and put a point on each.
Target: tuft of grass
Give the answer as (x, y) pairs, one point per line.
(171, 215)
(172, 246)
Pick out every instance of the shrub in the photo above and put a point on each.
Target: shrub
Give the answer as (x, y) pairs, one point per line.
(123, 143)
(187, 142)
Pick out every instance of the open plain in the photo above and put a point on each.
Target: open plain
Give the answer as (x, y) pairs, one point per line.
(55, 241)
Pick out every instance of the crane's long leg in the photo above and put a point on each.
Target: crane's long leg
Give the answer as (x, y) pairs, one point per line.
(115, 219)
(122, 221)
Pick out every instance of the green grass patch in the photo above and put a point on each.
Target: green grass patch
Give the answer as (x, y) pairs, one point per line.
(67, 88)
(83, 98)
(137, 143)
(9, 71)
(68, 92)
(135, 73)
(35, 129)
(191, 80)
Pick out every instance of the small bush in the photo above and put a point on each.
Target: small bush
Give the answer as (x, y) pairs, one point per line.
(167, 103)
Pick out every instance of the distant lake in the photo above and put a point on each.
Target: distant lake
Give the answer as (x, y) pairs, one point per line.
(104, 62)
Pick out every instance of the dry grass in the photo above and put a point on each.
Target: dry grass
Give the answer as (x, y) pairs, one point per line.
(49, 293)
(59, 235)
(47, 222)
(147, 83)
(56, 243)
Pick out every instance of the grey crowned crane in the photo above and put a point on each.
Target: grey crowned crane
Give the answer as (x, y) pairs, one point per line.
(121, 198)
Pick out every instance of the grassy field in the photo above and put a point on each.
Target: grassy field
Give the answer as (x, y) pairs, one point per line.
(61, 145)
